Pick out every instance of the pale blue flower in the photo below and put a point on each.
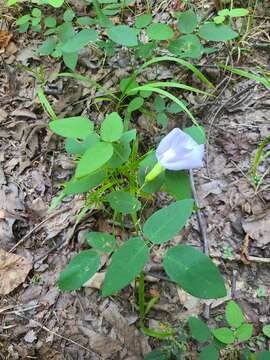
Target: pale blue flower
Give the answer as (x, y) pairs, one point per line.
(178, 151)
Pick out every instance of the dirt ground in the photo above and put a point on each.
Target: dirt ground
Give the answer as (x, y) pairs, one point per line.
(40, 322)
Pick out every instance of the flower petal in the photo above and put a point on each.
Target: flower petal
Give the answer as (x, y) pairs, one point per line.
(178, 151)
(193, 161)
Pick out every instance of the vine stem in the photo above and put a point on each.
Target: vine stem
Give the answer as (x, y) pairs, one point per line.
(201, 221)
(202, 226)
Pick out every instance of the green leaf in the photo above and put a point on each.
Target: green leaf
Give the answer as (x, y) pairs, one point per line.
(68, 15)
(263, 355)
(86, 20)
(103, 242)
(70, 60)
(158, 31)
(50, 21)
(162, 120)
(187, 22)
(121, 152)
(197, 133)
(36, 12)
(77, 186)
(238, 12)
(128, 84)
(234, 315)
(199, 330)
(209, 352)
(123, 202)
(186, 46)
(55, 3)
(47, 46)
(66, 32)
(159, 103)
(224, 12)
(80, 40)
(111, 128)
(23, 20)
(123, 35)
(74, 127)
(177, 184)
(219, 19)
(94, 158)
(176, 109)
(126, 264)
(194, 272)
(129, 135)
(155, 355)
(73, 146)
(145, 50)
(244, 332)
(164, 224)
(266, 330)
(143, 21)
(135, 104)
(80, 269)
(213, 32)
(103, 20)
(224, 335)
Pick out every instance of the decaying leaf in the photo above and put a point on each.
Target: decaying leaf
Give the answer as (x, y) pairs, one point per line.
(13, 271)
(5, 38)
(258, 227)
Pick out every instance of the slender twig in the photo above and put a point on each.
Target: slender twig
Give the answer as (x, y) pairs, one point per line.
(53, 332)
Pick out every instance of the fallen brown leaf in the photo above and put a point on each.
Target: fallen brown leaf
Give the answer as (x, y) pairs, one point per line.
(13, 271)
(5, 38)
(244, 251)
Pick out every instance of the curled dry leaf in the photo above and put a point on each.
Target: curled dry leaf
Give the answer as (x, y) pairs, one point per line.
(13, 271)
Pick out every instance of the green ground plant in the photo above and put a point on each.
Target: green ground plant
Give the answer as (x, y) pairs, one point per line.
(67, 35)
(230, 341)
(111, 169)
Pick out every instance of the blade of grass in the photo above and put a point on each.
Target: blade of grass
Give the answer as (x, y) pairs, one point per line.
(173, 85)
(260, 79)
(45, 104)
(180, 62)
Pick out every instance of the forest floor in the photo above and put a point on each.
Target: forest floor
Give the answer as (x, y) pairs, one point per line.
(40, 322)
